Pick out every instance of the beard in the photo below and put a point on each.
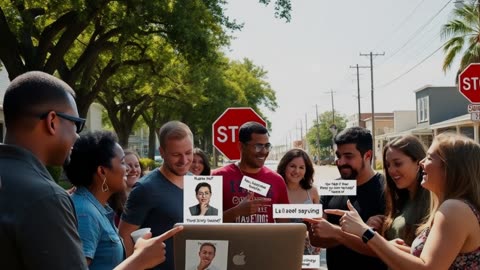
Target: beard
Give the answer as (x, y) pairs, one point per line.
(353, 174)
(172, 170)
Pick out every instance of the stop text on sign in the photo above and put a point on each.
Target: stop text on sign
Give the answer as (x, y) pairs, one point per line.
(471, 83)
(223, 132)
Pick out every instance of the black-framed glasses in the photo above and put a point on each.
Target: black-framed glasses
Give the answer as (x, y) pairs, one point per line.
(259, 147)
(79, 122)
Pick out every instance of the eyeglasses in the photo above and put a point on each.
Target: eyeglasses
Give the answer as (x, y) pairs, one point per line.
(79, 122)
(200, 194)
(259, 147)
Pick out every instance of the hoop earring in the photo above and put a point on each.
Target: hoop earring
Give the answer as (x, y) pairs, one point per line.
(104, 185)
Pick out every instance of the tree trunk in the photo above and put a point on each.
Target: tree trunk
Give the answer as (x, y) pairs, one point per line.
(151, 142)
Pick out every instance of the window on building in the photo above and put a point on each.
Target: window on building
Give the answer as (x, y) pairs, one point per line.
(422, 109)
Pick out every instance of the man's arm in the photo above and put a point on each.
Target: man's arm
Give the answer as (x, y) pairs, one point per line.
(248, 206)
(136, 209)
(327, 235)
(48, 235)
(125, 229)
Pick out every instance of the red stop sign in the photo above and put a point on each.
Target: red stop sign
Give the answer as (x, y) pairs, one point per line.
(469, 83)
(225, 129)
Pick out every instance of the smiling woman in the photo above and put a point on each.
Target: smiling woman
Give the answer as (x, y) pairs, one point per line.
(98, 170)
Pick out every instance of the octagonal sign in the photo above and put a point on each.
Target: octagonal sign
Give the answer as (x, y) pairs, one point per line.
(469, 83)
(225, 129)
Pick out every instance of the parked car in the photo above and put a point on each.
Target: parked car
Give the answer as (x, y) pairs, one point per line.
(327, 161)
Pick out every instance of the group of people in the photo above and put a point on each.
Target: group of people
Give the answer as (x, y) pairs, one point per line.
(406, 218)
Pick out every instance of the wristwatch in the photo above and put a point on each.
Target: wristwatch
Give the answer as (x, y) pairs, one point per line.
(367, 235)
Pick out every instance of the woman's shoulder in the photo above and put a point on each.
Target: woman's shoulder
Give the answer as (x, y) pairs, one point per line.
(459, 210)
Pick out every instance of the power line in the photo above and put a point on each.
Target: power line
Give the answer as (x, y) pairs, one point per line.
(412, 68)
(417, 32)
(392, 33)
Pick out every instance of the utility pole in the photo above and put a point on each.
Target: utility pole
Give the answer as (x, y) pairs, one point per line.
(358, 91)
(306, 132)
(371, 54)
(301, 134)
(333, 108)
(318, 133)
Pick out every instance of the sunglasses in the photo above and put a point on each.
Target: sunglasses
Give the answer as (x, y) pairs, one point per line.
(79, 122)
(259, 147)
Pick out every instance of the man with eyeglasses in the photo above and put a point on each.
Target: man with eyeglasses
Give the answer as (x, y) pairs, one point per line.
(38, 227)
(240, 205)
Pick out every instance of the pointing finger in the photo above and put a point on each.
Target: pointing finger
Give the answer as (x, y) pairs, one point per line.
(350, 206)
(170, 233)
(337, 212)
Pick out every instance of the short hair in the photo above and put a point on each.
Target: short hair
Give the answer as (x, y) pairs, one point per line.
(203, 184)
(361, 137)
(307, 181)
(210, 245)
(173, 130)
(30, 91)
(205, 160)
(91, 150)
(246, 130)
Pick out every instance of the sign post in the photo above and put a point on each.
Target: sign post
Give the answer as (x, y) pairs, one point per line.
(469, 87)
(225, 130)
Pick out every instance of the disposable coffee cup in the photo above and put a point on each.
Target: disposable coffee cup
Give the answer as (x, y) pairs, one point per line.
(139, 233)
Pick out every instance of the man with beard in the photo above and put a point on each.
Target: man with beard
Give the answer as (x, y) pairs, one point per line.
(345, 251)
(240, 205)
(156, 200)
(38, 226)
(206, 255)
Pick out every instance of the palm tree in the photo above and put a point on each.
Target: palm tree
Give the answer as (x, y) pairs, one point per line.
(463, 34)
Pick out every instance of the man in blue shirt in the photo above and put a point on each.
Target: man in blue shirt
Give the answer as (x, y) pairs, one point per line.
(156, 200)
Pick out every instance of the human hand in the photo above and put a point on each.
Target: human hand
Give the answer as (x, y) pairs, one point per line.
(203, 264)
(320, 227)
(376, 222)
(251, 205)
(350, 222)
(400, 244)
(203, 209)
(151, 251)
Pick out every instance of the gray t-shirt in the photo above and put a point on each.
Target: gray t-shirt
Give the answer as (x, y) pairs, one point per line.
(38, 227)
(157, 203)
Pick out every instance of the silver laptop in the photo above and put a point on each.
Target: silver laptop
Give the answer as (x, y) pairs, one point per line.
(234, 246)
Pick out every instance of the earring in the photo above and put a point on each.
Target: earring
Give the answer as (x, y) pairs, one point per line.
(104, 185)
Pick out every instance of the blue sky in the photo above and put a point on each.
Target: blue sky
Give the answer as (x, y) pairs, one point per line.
(311, 55)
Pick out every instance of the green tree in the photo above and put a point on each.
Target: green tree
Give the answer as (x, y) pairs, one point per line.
(81, 40)
(323, 133)
(463, 34)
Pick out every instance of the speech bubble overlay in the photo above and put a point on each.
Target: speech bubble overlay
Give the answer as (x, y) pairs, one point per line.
(202, 178)
(297, 210)
(254, 185)
(337, 187)
(190, 182)
(311, 261)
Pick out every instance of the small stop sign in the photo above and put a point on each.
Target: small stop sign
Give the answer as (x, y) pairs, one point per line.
(225, 130)
(469, 83)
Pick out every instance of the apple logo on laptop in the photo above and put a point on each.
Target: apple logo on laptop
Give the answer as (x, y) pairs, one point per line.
(239, 259)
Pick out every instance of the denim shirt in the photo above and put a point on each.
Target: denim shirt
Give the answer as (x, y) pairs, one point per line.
(100, 240)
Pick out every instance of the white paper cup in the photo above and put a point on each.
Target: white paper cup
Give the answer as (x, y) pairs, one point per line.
(139, 233)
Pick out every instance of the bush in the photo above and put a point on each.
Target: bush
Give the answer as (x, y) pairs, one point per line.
(378, 165)
(148, 164)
